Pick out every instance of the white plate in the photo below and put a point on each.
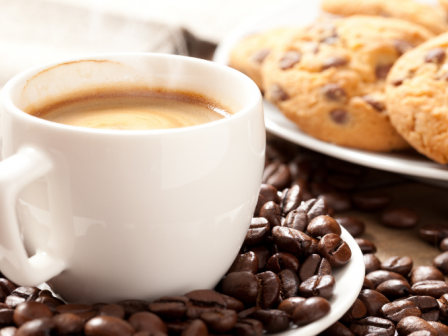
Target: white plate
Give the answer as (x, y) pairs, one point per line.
(300, 13)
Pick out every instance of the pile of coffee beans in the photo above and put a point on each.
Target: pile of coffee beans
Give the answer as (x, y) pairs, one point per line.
(282, 276)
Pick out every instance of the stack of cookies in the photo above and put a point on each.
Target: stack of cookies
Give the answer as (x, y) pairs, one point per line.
(371, 76)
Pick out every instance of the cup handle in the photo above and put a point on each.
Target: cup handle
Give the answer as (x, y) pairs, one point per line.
(16, 172)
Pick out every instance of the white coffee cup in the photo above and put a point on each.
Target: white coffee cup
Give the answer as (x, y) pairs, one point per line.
(105, 215)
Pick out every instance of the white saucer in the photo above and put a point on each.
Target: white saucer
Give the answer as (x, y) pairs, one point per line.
(300, 13)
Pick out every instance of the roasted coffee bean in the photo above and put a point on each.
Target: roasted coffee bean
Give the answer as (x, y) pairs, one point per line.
(30, 310)
(421, 273)
(443, 246)
(247, 313)
(6, 287)
(247, 262)
(289, 283)
(112, 310)
(278, 175)
(442, 329)
(314, 264)
(373, 301)
(169, 307)
(43, 326)
(290, 304)
(260, 55)
(270, 193)
(372, 326)
(315, 208)
(242, 286)
(310, 310)
(371, 262)
(422, 333)
(377, 103)
(289, 59)
(263, 255)
(248, 327)
(343, 181)
(436, 55)
(411, 324)
(146, 321)
(434, 288)
(20, 295)
(204, 300)
(318, 285)
(441, 262)
(400, 265)
(269, 289)
(334, 61)
(337, 201)
(371, 201)
(334, 92)
(220, 321)
(322, 225)
(133, 306)
(433, 233)
(378, 277)
(68, 324)
(177, 327)
(292, 241)
(367, 284)
(427, 305)
(281, 261)
(8, 331)
(84, 311)
(366, 246)
(260, 202)
(232, 303)
(291, 199)
(357, 311)
(271, 211)
(393, 289)
(442, 304)
(273, 320)
(258, 230)
(353, 225)
(335, 250)
(50, 302)
(397, 310)
(108, 325)
(337, 329)
(6, 317)
(277, 95)
(399, 218)
(297, 220)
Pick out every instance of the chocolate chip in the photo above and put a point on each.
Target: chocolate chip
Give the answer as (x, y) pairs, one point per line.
(402, 46)
(290, 59)
(260, 55)
(339, 116)
(374, 102)
(277, 93)
(382, 70)
(334, 61)
(333, 91)
(397, 81)
(436, 55)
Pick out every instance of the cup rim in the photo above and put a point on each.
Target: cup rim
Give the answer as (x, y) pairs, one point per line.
(6, 99)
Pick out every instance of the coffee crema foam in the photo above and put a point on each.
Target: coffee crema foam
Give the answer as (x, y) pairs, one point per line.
(133, 110)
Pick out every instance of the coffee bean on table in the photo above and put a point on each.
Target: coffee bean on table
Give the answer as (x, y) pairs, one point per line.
(337, 329)
(260, 202)
(367, 284)
(258, 230)
(6, 317)
(393, 289)
(291, 199)
(427, 305)
(297, 219)
(422, 333)
(281, 261)
(371, 262)
(263, 255)
(195, 328)
(273, 320)
(315, 207)
(318, 285)
(220, 320)
(204, 300)
(371, 200)
(322, 225)
(270, 193)
(271, 211)
(441, 262)
(378, 277)
(292, 241)
(269, 289)
(434, 288)
(441, 328)
(112, 310)
(421, 273)
(289, 283)
(247, 262)
(337, 201)
(22, 294)
(50, 302)
(310, 310)
(373, 300)
(169, 307)
(314, 264)
(372, 325)
(433, 233)
(44, 326)
(290, 304)
(8, 331)
(68, 324)
(443, 246)
(399, 218)
(357, 311)
(278, 175)
(443, 307)
(353, 225)
(146, 321)
(30, 310)
(133, 306)
(411, 324)
(395, 311)
(335, 250)
(400, 265)
(84, 311)
(248, 327)
(365, 245)
(6, 287)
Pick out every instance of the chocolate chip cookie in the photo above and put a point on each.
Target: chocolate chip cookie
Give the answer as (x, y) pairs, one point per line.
(248, 55)
(409, 10)
(331, 80)
(417, 98)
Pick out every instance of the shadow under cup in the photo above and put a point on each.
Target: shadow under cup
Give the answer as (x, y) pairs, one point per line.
(130, 214)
